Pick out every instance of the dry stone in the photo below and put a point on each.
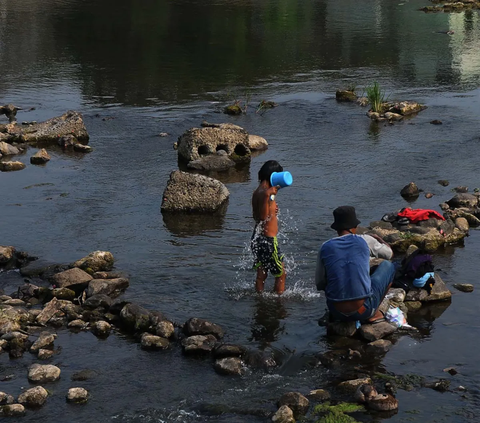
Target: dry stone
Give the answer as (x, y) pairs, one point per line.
(187, 192)
(7, 149)
(257, 143)
(45, 354)
(164, 329)
(12, 410)
(6, 254)
(372, 332)
(51, 308)
(319, 395)
(43, 373)
(44, 341)
(352, 385)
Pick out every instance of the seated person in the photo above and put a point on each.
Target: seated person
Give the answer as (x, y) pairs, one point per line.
(343, 270)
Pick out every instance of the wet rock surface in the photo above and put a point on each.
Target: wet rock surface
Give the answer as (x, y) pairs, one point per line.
(43, 373)
(196, 326)
(34, 397)
(77, 395)
(296, 402)
(229, 366)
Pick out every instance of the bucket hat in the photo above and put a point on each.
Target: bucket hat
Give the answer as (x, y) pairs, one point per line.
(344, 218)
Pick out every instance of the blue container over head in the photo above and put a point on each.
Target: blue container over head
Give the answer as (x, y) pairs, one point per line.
(282, 179)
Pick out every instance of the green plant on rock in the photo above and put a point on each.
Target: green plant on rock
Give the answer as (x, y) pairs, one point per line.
(337, 417)
(337, 413)
(376, 97)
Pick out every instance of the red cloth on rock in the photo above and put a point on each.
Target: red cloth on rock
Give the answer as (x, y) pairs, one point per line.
(417, 215)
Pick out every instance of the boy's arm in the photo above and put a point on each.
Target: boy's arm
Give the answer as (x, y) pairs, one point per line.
(320, 274)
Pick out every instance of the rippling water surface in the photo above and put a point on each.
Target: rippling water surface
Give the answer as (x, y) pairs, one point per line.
(135, 69)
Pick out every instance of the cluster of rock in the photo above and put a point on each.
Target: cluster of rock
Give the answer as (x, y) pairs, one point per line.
(213, 147)
(83, 296)
(391, 111)
(68, 131)
(446, 6)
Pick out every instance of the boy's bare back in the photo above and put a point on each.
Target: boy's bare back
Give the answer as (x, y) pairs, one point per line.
(265, 208)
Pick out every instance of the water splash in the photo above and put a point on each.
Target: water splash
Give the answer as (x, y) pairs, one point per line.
(296, 288)
(159, 416)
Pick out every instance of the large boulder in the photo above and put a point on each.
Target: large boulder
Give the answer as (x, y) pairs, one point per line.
(70, 123)
(463, 200)
(439, 292)
(188, 192)
(97, 261)
(198, 142)
(110, 287)
(72, 278)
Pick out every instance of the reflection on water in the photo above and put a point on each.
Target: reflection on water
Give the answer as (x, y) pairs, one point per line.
(191, 224)
(238, 173)
(267, 320)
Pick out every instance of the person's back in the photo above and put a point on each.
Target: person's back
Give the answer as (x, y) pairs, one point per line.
(346, 260)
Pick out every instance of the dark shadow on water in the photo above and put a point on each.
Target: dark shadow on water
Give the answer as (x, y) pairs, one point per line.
(192, 224)
(266, 325)
(423, 318)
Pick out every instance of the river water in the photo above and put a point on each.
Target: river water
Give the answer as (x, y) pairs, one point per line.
(135, 69)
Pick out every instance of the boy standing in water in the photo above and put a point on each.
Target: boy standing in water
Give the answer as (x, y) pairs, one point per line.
(264, 240)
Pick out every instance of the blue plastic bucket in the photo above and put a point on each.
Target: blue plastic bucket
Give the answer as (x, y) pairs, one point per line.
(282, 179)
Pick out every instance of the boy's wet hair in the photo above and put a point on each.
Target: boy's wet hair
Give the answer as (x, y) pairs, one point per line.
(267, 169)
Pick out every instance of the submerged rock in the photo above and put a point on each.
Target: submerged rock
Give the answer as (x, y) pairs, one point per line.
(229, 366)
(464, 287)
(229, 350)
(135, 318)
(186, 192)
(296, 402)
(6, 399)
(34, 397)
(77, 395)
(342, 328)
(43, 373)
(379, 346)
(346, 95)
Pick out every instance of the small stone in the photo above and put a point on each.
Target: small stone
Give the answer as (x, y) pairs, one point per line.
(352, 385)
(50, 309)
(296, 402)
(372, 332)
(34, 397)
(45, 354)
(149, 341)
(428, 195)
(347, 329)
(379, 346)
(96, 261)
(410, 191)
(45, 341)
(396, 294)
(163, 134)
(283, 415)
(346, 95)
(451, 370)
(82, 148)
(6, 399)
(15, 302)
(101, 328)
(77, 395)
(77, 324)
(13, 410)
(444, 182)
(461, 189)
(229, 366)
(319, 395)
(464, 287)
(199, 344)
(43, 373)
(63, 294)
(196, 326)
(441, 385)
(164, 329)
(229, 350)
(40, 157)
(436, 122)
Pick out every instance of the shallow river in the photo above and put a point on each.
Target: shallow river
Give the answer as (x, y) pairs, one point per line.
(135, 69)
